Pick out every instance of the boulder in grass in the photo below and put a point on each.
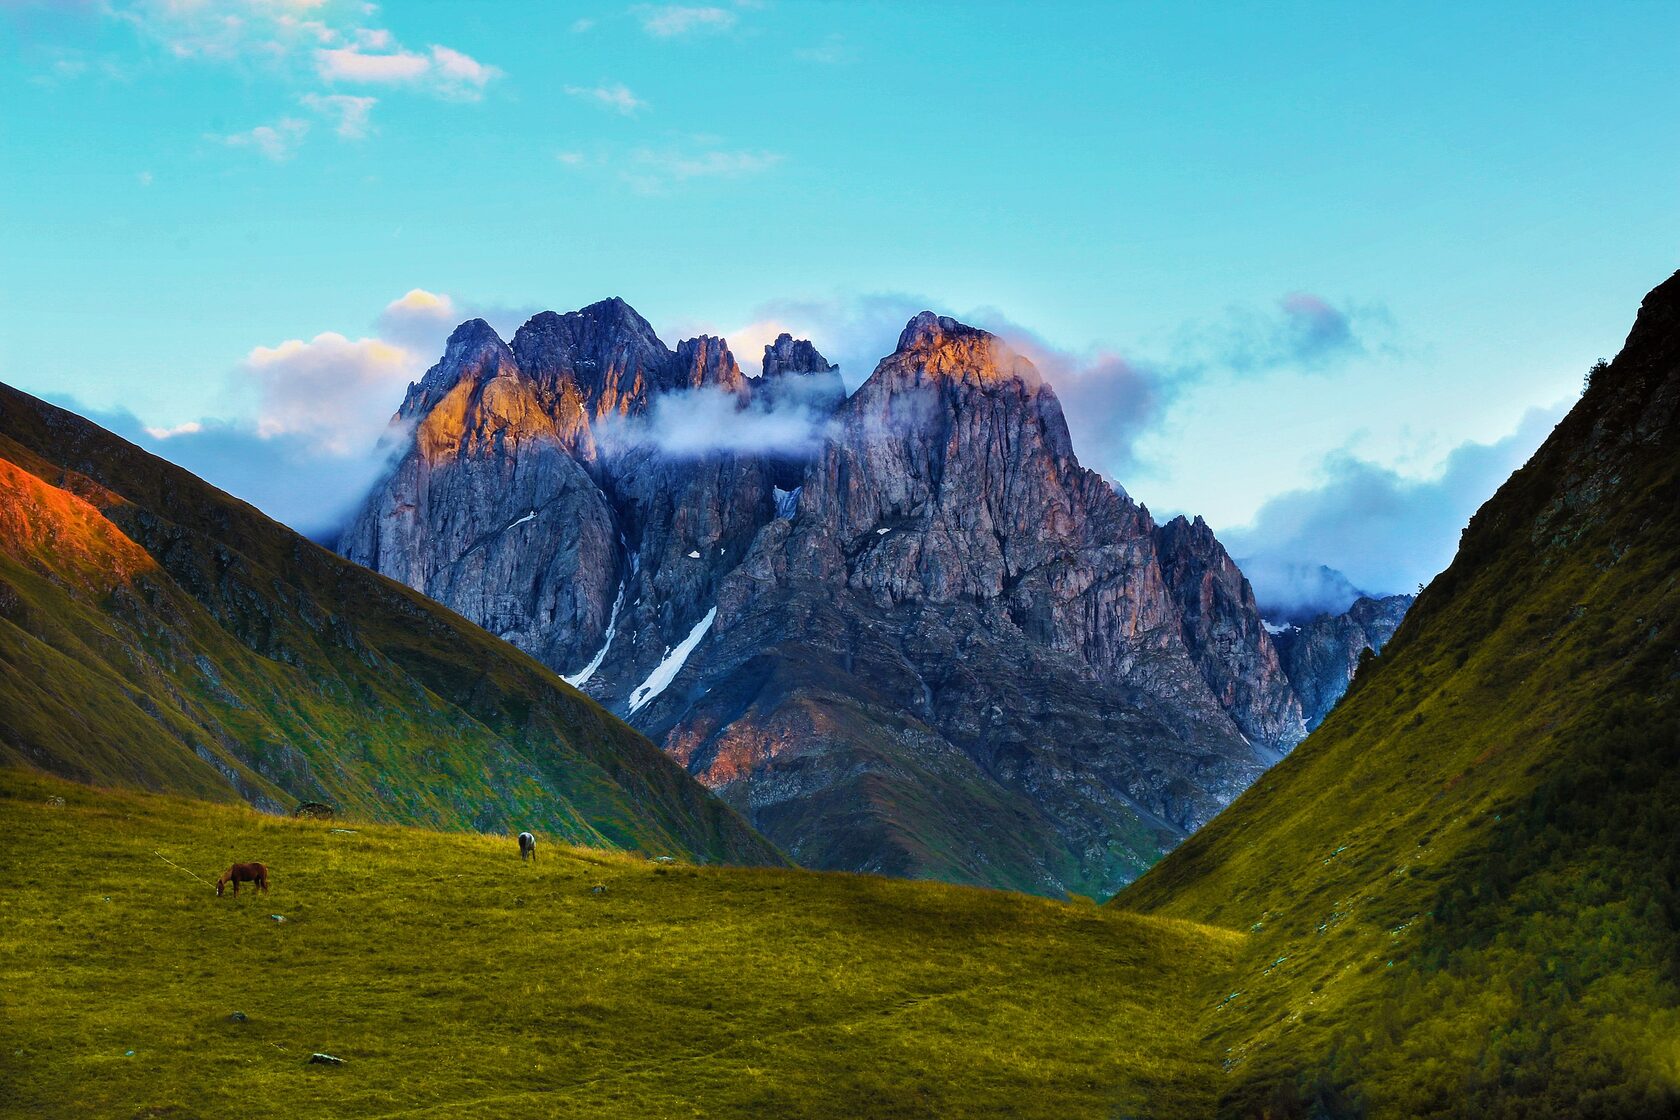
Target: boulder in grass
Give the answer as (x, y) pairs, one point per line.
(319, 1059)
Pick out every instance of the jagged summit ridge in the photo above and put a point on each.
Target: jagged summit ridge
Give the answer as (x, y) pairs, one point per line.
(787, 355)
(843, 628)
(927, 330)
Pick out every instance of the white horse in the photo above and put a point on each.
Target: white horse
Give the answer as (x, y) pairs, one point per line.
(527, 846)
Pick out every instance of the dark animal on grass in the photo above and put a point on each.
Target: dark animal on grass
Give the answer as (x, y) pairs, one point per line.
(527, 846)
(239, 873)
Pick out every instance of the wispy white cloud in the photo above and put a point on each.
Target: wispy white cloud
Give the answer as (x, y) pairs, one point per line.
(348, 112)
(457, 72)
(1303, 331)
(830, 52)
(189, 428)
(615, 96)
(656, 170)
(278, 141)
(354, 64)
(338, 39)
(582, 24)
(226, 30)
(668, 21)
(446, 72)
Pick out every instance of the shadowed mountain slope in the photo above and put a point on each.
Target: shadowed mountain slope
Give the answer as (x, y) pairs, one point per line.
(1464, 887)
(155, 632)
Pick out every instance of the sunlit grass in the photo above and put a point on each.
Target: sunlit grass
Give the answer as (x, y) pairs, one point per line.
(456, 981)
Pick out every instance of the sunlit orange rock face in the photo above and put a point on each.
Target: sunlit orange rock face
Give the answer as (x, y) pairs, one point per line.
(55, 531)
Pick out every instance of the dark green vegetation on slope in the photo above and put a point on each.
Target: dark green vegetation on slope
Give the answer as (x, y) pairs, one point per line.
(155, 632)
(456, 981)
(1464, 888)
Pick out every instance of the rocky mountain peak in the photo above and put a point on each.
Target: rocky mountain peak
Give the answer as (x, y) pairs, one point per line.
(474, 352)
(606, 350)
(937, 348)
(1224, 635)
(787, 355)
(706, 361)
(472, 346)
(795, 373)
(928, 331)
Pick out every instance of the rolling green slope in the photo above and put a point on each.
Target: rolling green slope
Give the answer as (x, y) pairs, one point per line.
(157, 633)
(1464, 888)
(456, 981)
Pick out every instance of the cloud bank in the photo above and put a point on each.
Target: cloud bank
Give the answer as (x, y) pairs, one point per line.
(314, 442)
(320, 434)
(289, 476)
(694, 422)
(1385, 532)
(1111, 399)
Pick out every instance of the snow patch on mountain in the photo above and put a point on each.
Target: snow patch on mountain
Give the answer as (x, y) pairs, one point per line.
(666, 671)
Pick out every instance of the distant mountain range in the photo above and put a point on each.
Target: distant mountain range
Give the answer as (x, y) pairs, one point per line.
(902, 631)
(155, 632)
(1321, 654)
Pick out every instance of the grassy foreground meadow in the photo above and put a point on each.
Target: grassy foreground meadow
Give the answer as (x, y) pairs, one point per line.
(456, 982)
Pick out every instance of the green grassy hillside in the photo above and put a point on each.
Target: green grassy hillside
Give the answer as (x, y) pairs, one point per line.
(456, 981)
(1464, 888)
(155, 632)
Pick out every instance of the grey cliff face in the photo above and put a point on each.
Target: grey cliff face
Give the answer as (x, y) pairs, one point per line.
(929, 644)
(1321, 657)
(1225, 636)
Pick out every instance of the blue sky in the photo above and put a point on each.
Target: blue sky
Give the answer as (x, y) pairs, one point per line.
(1322, 273)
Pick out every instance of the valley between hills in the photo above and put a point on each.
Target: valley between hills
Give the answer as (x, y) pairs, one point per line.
(1456, 897)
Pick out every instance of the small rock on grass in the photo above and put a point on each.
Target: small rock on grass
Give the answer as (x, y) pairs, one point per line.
(238, 1017)
(320, 1059)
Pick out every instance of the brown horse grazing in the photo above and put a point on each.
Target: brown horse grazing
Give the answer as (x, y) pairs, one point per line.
(243, 873)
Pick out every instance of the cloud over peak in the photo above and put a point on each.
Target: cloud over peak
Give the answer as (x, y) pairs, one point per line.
(1387, 532)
